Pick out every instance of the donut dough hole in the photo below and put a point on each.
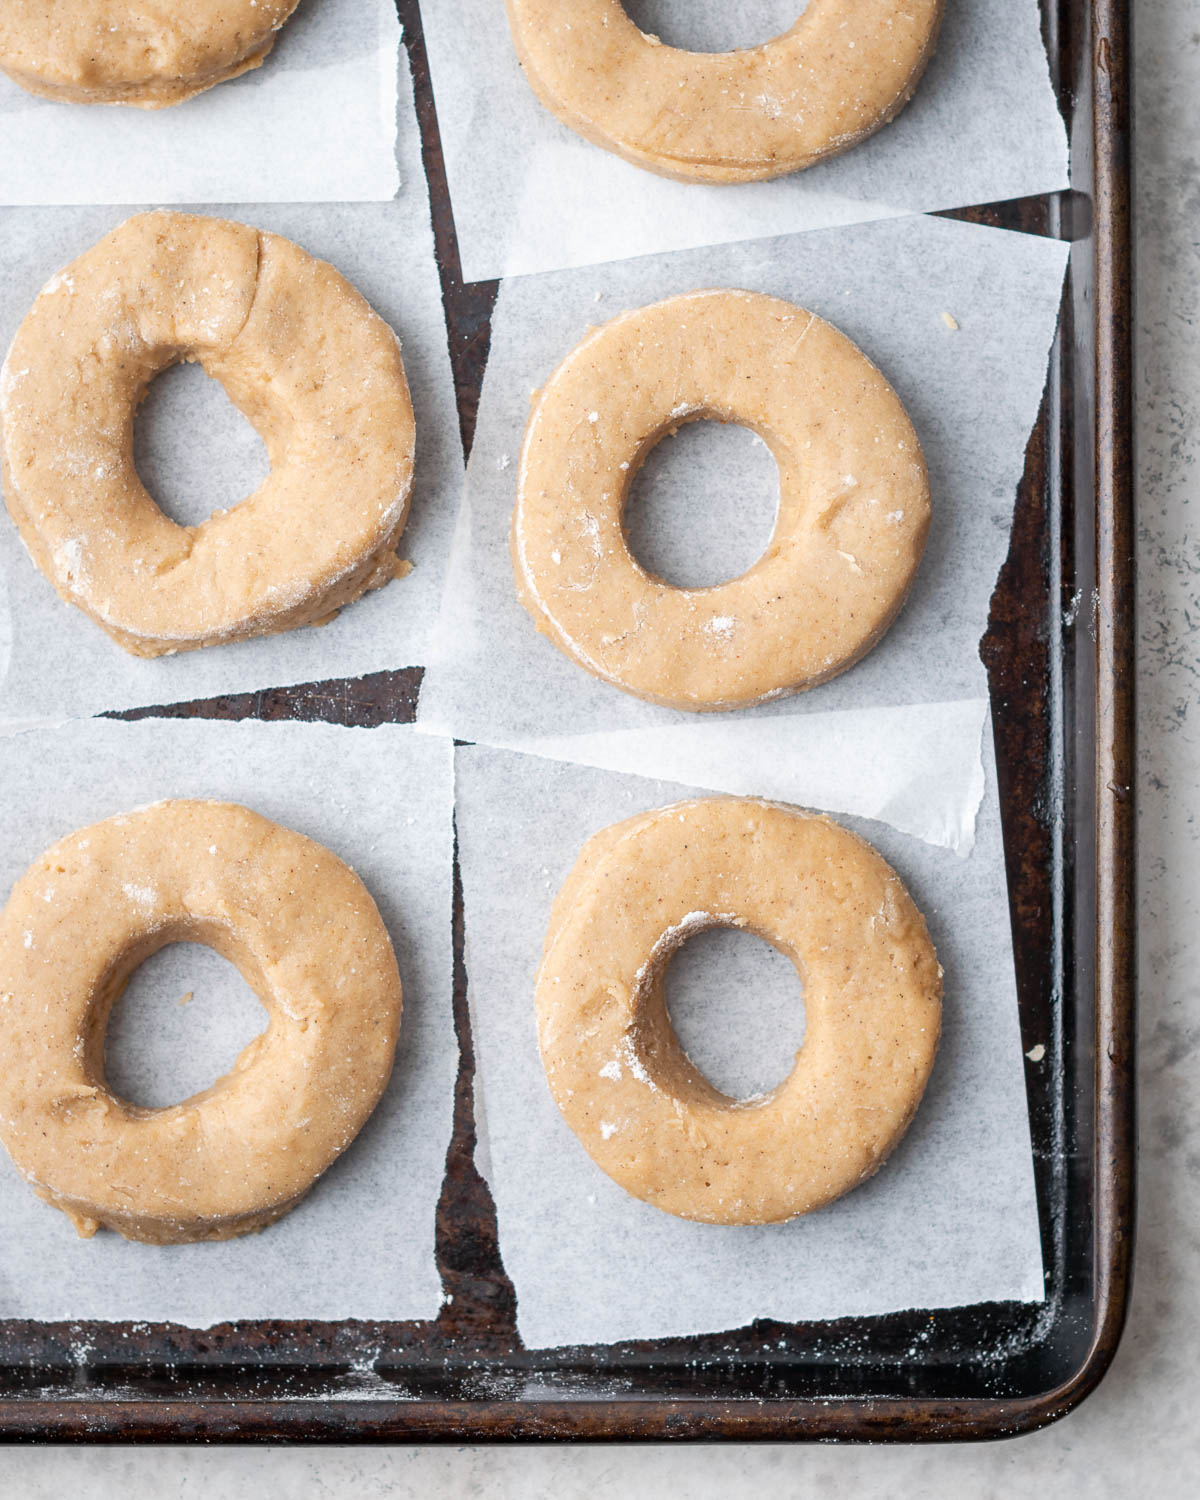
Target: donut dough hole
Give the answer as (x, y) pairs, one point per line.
(744, 1041)
(841, 72)
(686, 519)
(872, 999)
(853, 517)
(303, 357)
(305, 934)
(116, 52)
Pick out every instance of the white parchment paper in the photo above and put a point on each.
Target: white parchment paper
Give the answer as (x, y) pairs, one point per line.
(951, 1218)
(315, 123)
(530, 195)
(917, 766)
(361, 1245)
(53, 659)
(972, 392)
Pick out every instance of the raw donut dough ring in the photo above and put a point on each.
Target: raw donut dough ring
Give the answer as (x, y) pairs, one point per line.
(854, 504)
(306, 935)
(872, 998)
(846, 68)
(116, 52)
(302, 356)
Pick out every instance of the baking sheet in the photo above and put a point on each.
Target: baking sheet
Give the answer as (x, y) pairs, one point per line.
(530, 195)
(315, 123)
(362, 1244)
(973, 393)
(950, 1220)
(53, 660)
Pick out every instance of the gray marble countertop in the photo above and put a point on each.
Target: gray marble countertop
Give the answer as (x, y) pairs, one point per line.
(1140, 1427)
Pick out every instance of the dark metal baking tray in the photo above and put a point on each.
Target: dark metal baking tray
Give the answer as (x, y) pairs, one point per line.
(1059, 657)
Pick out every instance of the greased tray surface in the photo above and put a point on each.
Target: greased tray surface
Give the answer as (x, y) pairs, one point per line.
(1059, 658)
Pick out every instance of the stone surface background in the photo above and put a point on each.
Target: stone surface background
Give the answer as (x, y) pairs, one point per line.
(1139, 1429)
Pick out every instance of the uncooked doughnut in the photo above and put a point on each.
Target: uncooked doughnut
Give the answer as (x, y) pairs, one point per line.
(119, 52)
(302, 356)
(854, 504)
(305, 933)
(872, 1001)
(843, 70)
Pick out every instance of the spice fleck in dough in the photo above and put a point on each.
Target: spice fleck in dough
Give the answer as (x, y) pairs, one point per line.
(123, 52)
(299, 353)
(306, 935)
(842, 71)
(854, 503)
(872, 1000)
